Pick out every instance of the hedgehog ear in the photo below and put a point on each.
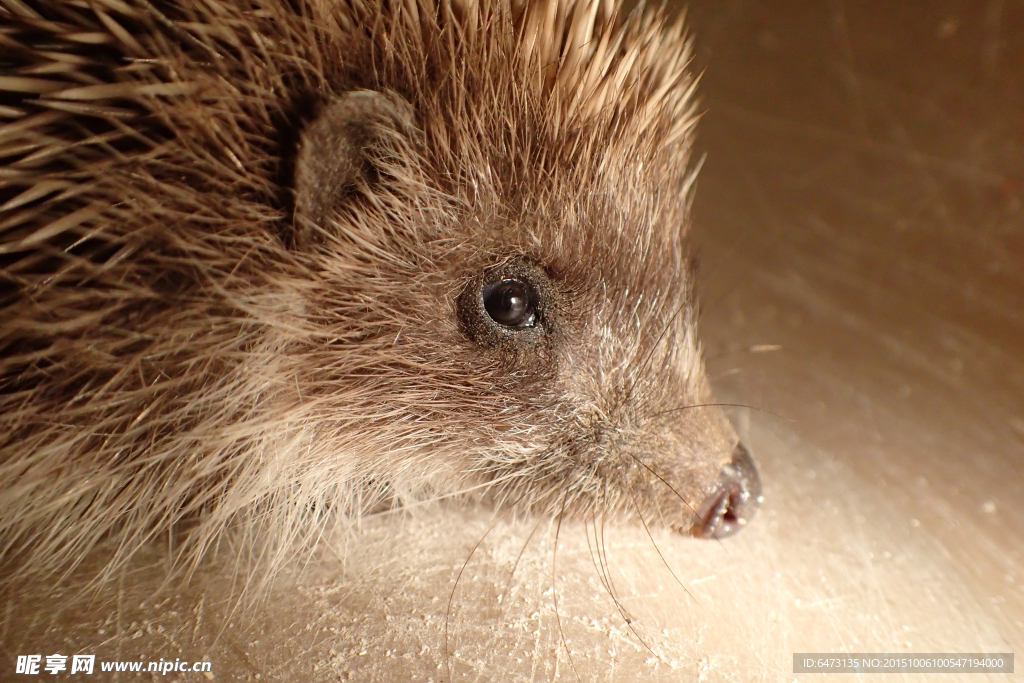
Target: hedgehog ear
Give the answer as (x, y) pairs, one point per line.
(351, 146)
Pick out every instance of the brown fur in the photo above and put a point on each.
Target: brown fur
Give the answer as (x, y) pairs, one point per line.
(194, 338)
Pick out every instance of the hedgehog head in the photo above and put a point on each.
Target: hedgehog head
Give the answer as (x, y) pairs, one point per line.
(264, 260)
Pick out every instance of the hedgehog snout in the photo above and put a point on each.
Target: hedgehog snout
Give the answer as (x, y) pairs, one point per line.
(733, 500)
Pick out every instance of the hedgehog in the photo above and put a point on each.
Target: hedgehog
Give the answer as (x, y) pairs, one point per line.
(268, 265)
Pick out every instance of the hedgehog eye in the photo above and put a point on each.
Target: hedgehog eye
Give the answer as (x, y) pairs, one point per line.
(511, 303)
(510, 306)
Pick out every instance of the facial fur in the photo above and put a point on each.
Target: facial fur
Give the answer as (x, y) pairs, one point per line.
(242, 249)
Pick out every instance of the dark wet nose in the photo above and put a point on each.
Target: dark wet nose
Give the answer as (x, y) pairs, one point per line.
(733, 502)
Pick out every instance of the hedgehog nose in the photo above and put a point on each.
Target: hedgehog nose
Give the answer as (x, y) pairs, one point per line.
(733, 502)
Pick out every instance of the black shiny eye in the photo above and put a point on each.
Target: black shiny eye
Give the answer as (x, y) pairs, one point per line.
(510, 307)
(510, 303)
